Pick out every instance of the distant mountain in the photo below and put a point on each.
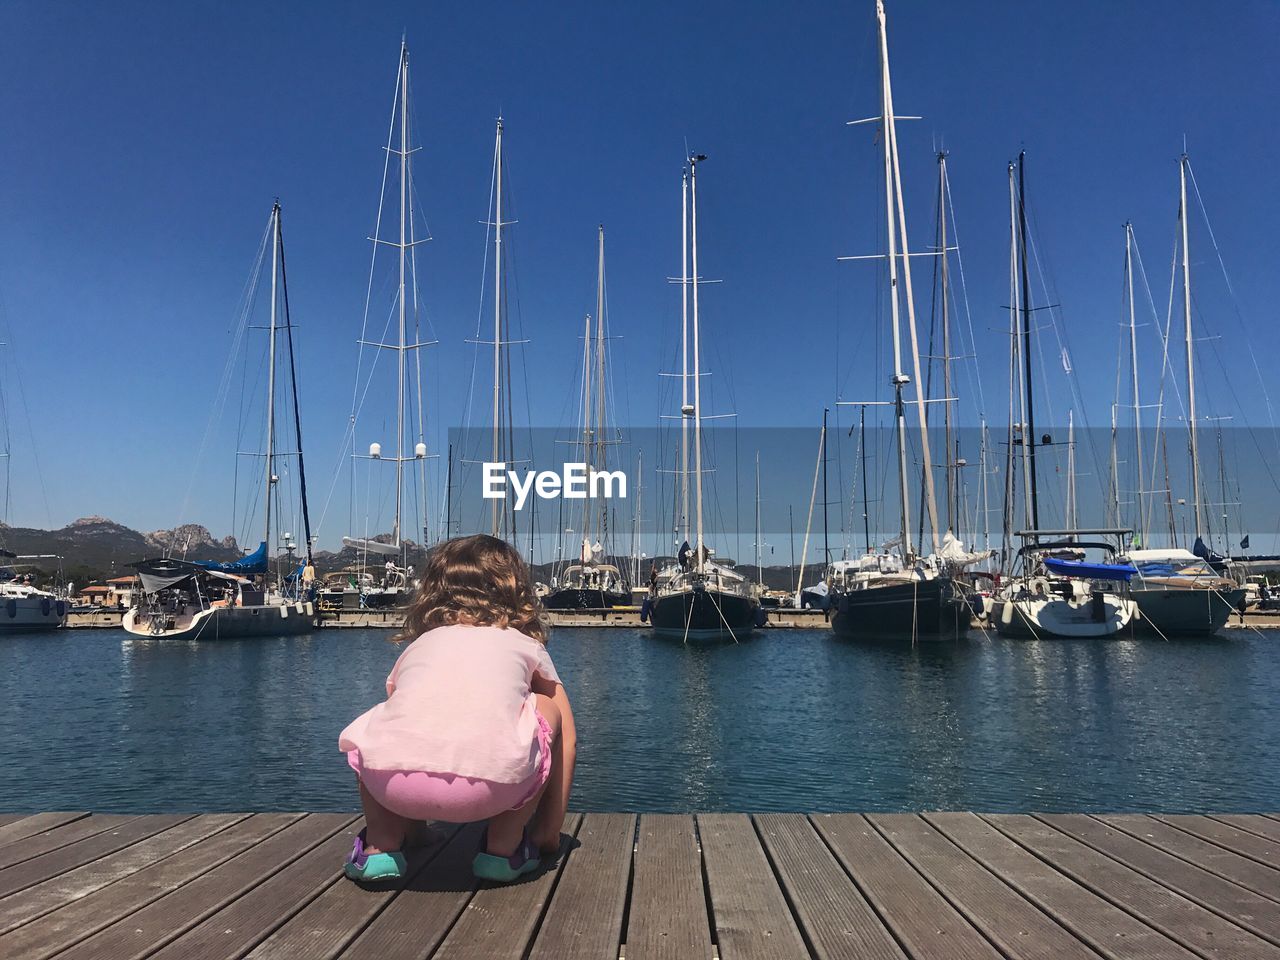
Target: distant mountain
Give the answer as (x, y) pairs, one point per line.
(94, 548)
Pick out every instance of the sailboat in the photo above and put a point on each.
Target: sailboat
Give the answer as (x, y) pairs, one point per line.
(592, 582)
(1053, 591)
(207, 600)
(1178, 592)
(898, 594)
(697, 598)
(394, 587)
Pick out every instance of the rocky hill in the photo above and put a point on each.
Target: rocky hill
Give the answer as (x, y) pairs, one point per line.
(93, 548)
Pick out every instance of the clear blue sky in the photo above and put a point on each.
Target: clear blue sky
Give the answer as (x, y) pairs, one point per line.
(145, 143)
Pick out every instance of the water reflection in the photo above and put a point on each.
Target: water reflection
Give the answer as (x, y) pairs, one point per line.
(790, 720)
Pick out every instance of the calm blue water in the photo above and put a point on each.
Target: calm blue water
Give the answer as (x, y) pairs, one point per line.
(790, 720)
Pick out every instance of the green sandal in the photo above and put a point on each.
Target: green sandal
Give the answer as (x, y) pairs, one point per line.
(372, 867)
(499, 869)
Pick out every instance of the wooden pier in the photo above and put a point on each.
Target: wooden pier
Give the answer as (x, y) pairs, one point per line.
(951, 886)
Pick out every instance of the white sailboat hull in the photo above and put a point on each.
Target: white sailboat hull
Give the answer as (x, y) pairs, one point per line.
(32, 611)
(1039, 617)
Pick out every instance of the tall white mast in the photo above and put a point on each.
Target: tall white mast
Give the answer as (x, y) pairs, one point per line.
(953, 502)
(1139, 524)
(1191, 367)
(497, 317)
(685, 409)
(586, 424)
(759, 571)
(697, 369)
(271, 378)
(891, 232)
(400, 352)
(1071, 471)
(599, 458)
(931, 504)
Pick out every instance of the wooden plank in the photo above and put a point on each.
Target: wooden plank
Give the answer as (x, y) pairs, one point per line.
(923, 922)
(143, 911)
(250, 918)
(835, 918)
(65, 888)
(499, 921)
(73, 855)
(1248, 873)
(417, 919)
(1230, 837)
(322, 929)
(8, 818)
(1098, 922)
(35, 824)
(1174, 915)
(1020, 929)
(1229, 900)
(1264, 826)
(668, 907)
(584, 920)
(32, 847)
(747, 906)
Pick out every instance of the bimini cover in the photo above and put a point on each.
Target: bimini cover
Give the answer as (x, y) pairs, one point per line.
(163, 572)
(251, 563)
(1095, 571)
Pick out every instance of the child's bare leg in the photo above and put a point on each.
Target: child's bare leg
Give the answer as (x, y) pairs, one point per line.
(384, 831)
(547, 822)
(506, 829)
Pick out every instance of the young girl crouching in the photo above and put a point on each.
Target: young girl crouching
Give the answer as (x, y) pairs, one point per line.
(476, 724)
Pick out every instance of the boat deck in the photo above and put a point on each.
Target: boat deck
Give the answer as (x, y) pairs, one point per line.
(957, 886)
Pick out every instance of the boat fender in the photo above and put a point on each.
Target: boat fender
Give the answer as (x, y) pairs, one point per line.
(61, 608)
(11, 607)
(45, 606)
(1006, 612)
(645, 607)
(761, 617)
(1098, 607)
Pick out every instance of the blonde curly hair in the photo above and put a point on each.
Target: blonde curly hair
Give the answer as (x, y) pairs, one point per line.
(477, 580)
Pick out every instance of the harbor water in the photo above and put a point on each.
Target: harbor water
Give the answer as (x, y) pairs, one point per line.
(788, 720)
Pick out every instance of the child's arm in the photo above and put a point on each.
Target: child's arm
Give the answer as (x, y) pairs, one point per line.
(546, 825)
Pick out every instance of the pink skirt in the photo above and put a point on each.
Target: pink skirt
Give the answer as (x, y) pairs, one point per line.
(422, 795)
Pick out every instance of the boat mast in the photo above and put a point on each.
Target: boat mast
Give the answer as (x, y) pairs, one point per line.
(891, 232)
(1071, 471)
(685, 409)
(293, 383)
(271, 379)
(759, 571)
(826, 544)
(497, 317)
(1029, 437)
(599, 458)
(1191, 367)
(586, 423)
(931, 503)
(953, 508)
(697, 370)
(1139, 522)
(862, 449)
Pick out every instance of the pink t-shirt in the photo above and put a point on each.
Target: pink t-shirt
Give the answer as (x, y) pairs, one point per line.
(459, 702)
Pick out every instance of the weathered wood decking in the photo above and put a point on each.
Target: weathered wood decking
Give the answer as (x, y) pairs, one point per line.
(953, 886)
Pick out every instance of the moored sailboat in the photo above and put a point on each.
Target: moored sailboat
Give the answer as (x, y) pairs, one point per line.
(189, 600)
(697, 598)
(593, 582)
(900, 595)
